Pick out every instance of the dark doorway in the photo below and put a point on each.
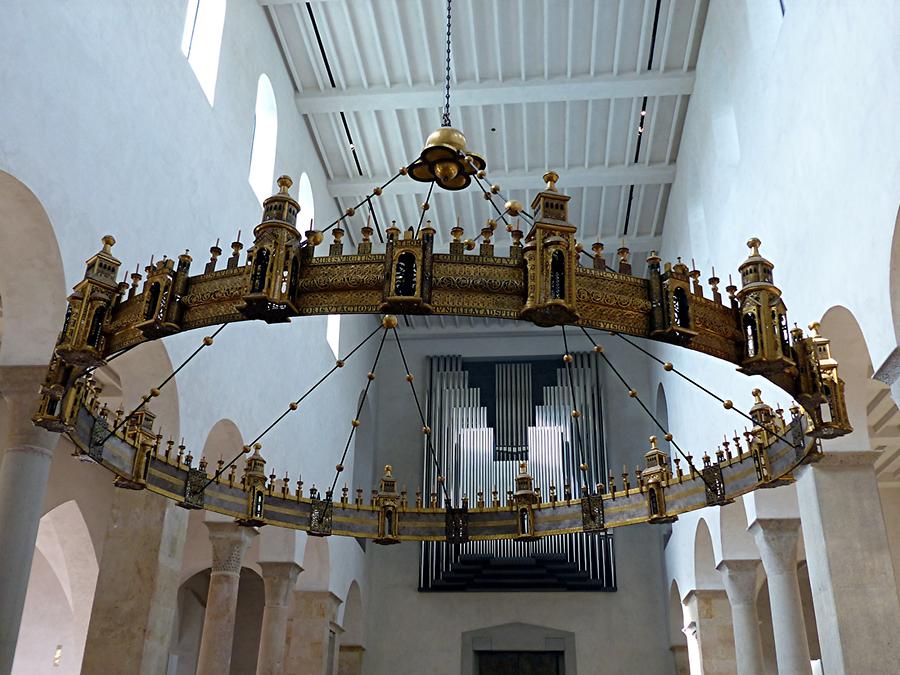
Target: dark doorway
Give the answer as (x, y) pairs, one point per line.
(520, 663)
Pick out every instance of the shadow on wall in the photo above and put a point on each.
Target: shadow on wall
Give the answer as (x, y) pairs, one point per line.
(59, 597)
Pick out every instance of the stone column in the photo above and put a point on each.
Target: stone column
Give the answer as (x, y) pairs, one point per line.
(739, 578)
(312, 621)
(136, 598)
(713, 632)
(777, 540)
(24, 469)
(350, 659)
(849, 561)
(279, 578)
(229, 543)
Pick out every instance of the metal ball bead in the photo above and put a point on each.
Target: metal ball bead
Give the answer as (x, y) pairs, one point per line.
(576, 414)
(440, 479)
(246, 449)
(354, 423)
(425, 206)
(154, 392)
(293, 406)
(632, 393)
(339, 467)
(480, 173)
(409, 377)
(377, 191)
(389, 321)
(426, 430)
(207, 340)
(339, 363)
(727, 404)
(350, 211)
(667, 366)
(402, 171)
(598, 349)
(371, 376)
(668, 437)
(495, 189)
(567, 358)
(583, 467)
(487, 196)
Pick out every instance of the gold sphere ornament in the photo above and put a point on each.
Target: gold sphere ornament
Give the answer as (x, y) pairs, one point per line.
(727, 404)
(632, 393)
(567, 358)
(440, 479)
(154, 392)
(207, 340)
(389, 321)
(377, 191)
(354, 423)
(246, 449)
(668, 437)
(469, 244)
(481, 173)
(425, 206)
(338, 467)
(315, 237)
(487, 196)
(495, 189)
(403, 171)
(339, 363)
(583, 467)
(576, 414)
(371, 376)
(409, 377)
(598, 349)
(667, 366)
(293, 405)
(513, 207)
(350, 211)
(426, 430)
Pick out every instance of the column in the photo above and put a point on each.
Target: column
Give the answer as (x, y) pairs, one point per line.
(350, 659)
(777, 540)
(229, 543)
(849, 561)
(24, 469)
(279, 579)
(712, 632)
(739, 578)
(312, 641)
(136, 599)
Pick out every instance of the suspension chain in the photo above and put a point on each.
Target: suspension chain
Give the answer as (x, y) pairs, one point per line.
(445, 121)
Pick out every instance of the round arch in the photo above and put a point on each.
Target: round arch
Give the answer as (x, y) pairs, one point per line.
(705, 574)
(32, 279)
(353, 617)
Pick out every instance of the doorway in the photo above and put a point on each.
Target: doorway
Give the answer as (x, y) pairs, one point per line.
(520, 663)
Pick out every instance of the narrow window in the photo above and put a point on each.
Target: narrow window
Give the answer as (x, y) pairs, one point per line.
(201, 41)
(680, 308)
(557, 276)
(94, 334)
(333, 334)
(785, 334)
(389, 523)
(295, 278)
(405, 277)
(523, 521)
(152, 301)
(750, 335)
(654, 503)
(265, 134)
(65, 328)
(260, 267)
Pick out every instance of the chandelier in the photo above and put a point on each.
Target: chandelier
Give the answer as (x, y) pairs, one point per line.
(541, 280)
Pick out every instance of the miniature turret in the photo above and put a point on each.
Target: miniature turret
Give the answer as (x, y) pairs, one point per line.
(255, 487)
(524, 500)
(551, 259)
(671, 316)
(387, 501)
(272, 274)
(767, 340)
(162, 309)
(407, 273)
(654, 476)
(82, 340)
(830, 418)
(61, 395)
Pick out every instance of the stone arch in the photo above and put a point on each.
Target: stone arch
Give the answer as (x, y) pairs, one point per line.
(735, 542)
(677, 639)
(316, 565)
(60, 594)
(224, 440)
(705, 574)
(32, 279)
(353, 624)
(190, 614)
(849, 347)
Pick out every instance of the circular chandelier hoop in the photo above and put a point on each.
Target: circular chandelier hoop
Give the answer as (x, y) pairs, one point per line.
(541, 281)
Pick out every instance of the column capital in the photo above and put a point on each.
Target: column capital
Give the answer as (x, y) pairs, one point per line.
(20, 389)
(279, 579)
(777, 540)
(739, 578)
(229, 543)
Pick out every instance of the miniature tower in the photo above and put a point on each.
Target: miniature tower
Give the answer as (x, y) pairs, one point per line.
(767, 340)
(550, 259)
(524, 500)
(272, 274)
(407, 274)
(82, 341)
(61, 396)
(255, 487)
(830, 419)
(655, 474)
(670, 292)
(387, 501)
(162, 308)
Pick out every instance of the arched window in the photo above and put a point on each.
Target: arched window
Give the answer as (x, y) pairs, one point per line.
(265, 134)
(405, 276)
(96, 329)
(333, 334)
(750, 335)
(307, 206)
(202, 41)
(680, 308)
(260, 267)
(152, 301)
(557, 276)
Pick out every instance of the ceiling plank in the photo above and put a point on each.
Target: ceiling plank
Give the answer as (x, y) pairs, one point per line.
(496, 93)
(571, 178)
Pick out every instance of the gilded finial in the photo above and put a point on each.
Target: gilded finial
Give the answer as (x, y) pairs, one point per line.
(754, 245)
(284, 183)
(550, 178)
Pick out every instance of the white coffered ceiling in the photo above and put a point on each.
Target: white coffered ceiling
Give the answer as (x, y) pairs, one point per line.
(537, 85)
